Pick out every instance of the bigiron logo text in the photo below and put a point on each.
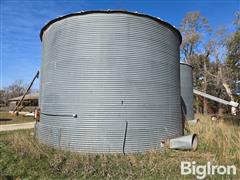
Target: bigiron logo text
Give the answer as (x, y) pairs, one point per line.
(202, 171)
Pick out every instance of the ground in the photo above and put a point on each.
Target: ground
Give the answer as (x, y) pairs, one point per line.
(23, 157)
(7, 118)
(11, 127)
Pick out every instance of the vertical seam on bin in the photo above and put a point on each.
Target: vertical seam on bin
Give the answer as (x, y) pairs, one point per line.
(125, 136)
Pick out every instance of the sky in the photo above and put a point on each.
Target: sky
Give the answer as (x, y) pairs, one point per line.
(22, 20)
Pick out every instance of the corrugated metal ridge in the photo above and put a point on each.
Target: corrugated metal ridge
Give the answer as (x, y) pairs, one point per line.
(168, 25)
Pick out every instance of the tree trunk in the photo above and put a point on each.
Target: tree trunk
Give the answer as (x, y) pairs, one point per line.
(229, 92)
(220, 110)
(197, 105)
(205, 106)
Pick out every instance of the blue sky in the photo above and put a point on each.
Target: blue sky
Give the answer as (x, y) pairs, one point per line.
(21, 21)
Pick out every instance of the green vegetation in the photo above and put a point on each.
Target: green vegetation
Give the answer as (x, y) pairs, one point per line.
(214, 54)
(23, 157)
(15, 119)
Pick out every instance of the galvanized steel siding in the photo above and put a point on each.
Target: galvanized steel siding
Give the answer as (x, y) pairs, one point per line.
(187, 90)
(109, 69)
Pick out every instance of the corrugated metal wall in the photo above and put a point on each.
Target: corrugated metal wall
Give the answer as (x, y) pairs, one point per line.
(110, 69)
(187, 90)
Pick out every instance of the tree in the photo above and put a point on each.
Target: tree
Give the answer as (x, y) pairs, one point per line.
(220, 75)
(17, 88)
(232, 63)
(196, 51)
(233, 48)
(226, 53)
(192, 28)
(2, 98)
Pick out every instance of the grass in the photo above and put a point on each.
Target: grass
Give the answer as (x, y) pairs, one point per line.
(23, 157)
(15, 119)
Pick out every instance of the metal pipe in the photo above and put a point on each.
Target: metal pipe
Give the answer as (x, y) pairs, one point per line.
(231, 103)
(189, 142)
(29, 87)
(194, 121)
(60, 115)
